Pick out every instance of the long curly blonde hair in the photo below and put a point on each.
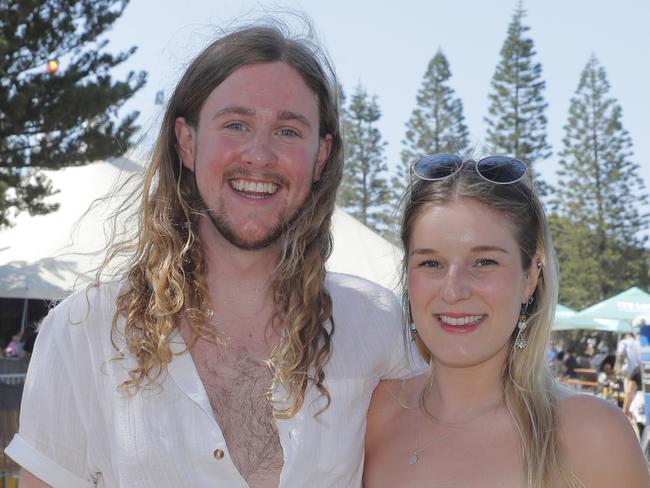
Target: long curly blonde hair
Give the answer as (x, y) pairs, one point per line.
(529, 386)
(166, 268)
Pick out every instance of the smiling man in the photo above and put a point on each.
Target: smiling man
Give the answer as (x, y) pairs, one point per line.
(223, 354)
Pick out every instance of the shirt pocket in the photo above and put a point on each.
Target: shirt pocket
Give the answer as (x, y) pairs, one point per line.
(343, 425)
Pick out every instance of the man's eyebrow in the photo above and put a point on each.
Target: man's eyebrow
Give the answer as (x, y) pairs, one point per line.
(289, 115)
(234, 110)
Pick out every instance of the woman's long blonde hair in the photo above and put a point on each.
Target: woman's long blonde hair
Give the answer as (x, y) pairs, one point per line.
(166, 268)
(529, 386)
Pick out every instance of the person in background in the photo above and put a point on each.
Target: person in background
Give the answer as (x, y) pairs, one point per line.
(551, 352)
(601, 354)
(29, 338)
(608, 380)
(628, 356)
(569, 363)
(481, 287)
(14, 347)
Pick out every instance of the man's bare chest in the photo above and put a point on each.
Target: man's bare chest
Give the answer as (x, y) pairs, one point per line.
(236, 381)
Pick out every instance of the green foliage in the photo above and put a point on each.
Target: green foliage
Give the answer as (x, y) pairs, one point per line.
(516, 121)
(48, 121)
(365, 192)
(579, 271)
(437, 123)
(599, 194)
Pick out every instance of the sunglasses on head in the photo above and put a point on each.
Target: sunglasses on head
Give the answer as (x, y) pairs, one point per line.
(501, 170)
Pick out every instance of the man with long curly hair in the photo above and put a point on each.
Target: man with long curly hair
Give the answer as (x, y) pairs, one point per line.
(224, 354)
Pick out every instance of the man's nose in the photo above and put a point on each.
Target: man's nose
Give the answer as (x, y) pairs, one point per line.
(259, 150)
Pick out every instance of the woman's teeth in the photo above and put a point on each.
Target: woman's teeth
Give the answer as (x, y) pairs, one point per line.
(460, 321)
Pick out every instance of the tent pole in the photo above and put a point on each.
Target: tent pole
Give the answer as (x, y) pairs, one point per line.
(23, 321)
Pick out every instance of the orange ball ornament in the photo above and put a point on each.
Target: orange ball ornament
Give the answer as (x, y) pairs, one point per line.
(52, 66)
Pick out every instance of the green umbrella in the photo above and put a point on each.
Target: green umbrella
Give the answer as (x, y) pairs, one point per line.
(577, 322)
(625, 306)
(568, 319)
(564, 312)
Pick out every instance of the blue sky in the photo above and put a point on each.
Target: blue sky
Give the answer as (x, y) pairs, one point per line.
(386, 47)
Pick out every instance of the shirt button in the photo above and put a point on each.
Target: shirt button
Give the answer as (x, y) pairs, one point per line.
(218, 454)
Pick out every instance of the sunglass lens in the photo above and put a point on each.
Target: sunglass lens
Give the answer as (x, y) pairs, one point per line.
(501, 169)
(437, 166)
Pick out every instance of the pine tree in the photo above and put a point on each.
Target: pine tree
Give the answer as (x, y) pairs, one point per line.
(575, 250)
(600, 188)
(365, 191)
(52, 117)
(517, 121)
(437, 123)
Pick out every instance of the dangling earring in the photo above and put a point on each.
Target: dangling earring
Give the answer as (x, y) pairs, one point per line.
(520, 340)
(413, 332)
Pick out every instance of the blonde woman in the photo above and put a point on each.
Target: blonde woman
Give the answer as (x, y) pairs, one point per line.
(481, 287)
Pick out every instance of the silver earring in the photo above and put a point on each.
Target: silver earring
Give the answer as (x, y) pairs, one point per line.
(520, 340)
(413, 332)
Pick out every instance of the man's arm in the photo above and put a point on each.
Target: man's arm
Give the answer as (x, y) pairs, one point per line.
(28, 480)
(51, 443)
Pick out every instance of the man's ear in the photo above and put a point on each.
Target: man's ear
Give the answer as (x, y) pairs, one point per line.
(185, 135)
(324, 149)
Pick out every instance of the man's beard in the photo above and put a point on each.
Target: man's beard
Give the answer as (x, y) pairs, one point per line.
(225, 229)
(221, 224)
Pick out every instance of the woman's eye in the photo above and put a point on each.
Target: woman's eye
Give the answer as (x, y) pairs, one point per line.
(485, 262)
(430, 263)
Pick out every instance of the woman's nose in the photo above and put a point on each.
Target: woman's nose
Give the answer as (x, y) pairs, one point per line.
(455, 287)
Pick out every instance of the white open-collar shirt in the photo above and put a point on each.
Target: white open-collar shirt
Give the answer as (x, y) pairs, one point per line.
(77, 429)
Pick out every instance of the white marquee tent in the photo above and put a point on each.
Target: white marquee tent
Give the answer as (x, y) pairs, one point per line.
(48, 256)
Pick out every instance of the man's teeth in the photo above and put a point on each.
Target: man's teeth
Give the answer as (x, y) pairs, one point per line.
(254, 186)
(460, 321)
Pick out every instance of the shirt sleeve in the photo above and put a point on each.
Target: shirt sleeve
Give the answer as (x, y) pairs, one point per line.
(404, 360)
(51, 440)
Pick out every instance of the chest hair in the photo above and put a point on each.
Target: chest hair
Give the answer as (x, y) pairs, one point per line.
(236, 381)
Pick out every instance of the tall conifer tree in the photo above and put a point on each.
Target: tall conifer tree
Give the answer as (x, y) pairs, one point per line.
(516, 121)
(58, 103)
(365, 191)
(437, 123)
(578, 262)
(600, 189)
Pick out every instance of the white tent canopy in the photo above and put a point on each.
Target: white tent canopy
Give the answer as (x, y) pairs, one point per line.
(48, 256)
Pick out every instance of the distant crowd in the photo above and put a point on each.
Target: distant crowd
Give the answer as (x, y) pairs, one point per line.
(593, 365)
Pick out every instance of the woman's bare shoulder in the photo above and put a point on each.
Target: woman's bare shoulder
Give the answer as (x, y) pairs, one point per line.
(392, 396)
(601, 444)
(389, 400)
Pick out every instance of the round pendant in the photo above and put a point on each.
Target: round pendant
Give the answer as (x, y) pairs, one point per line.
(413, 458)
